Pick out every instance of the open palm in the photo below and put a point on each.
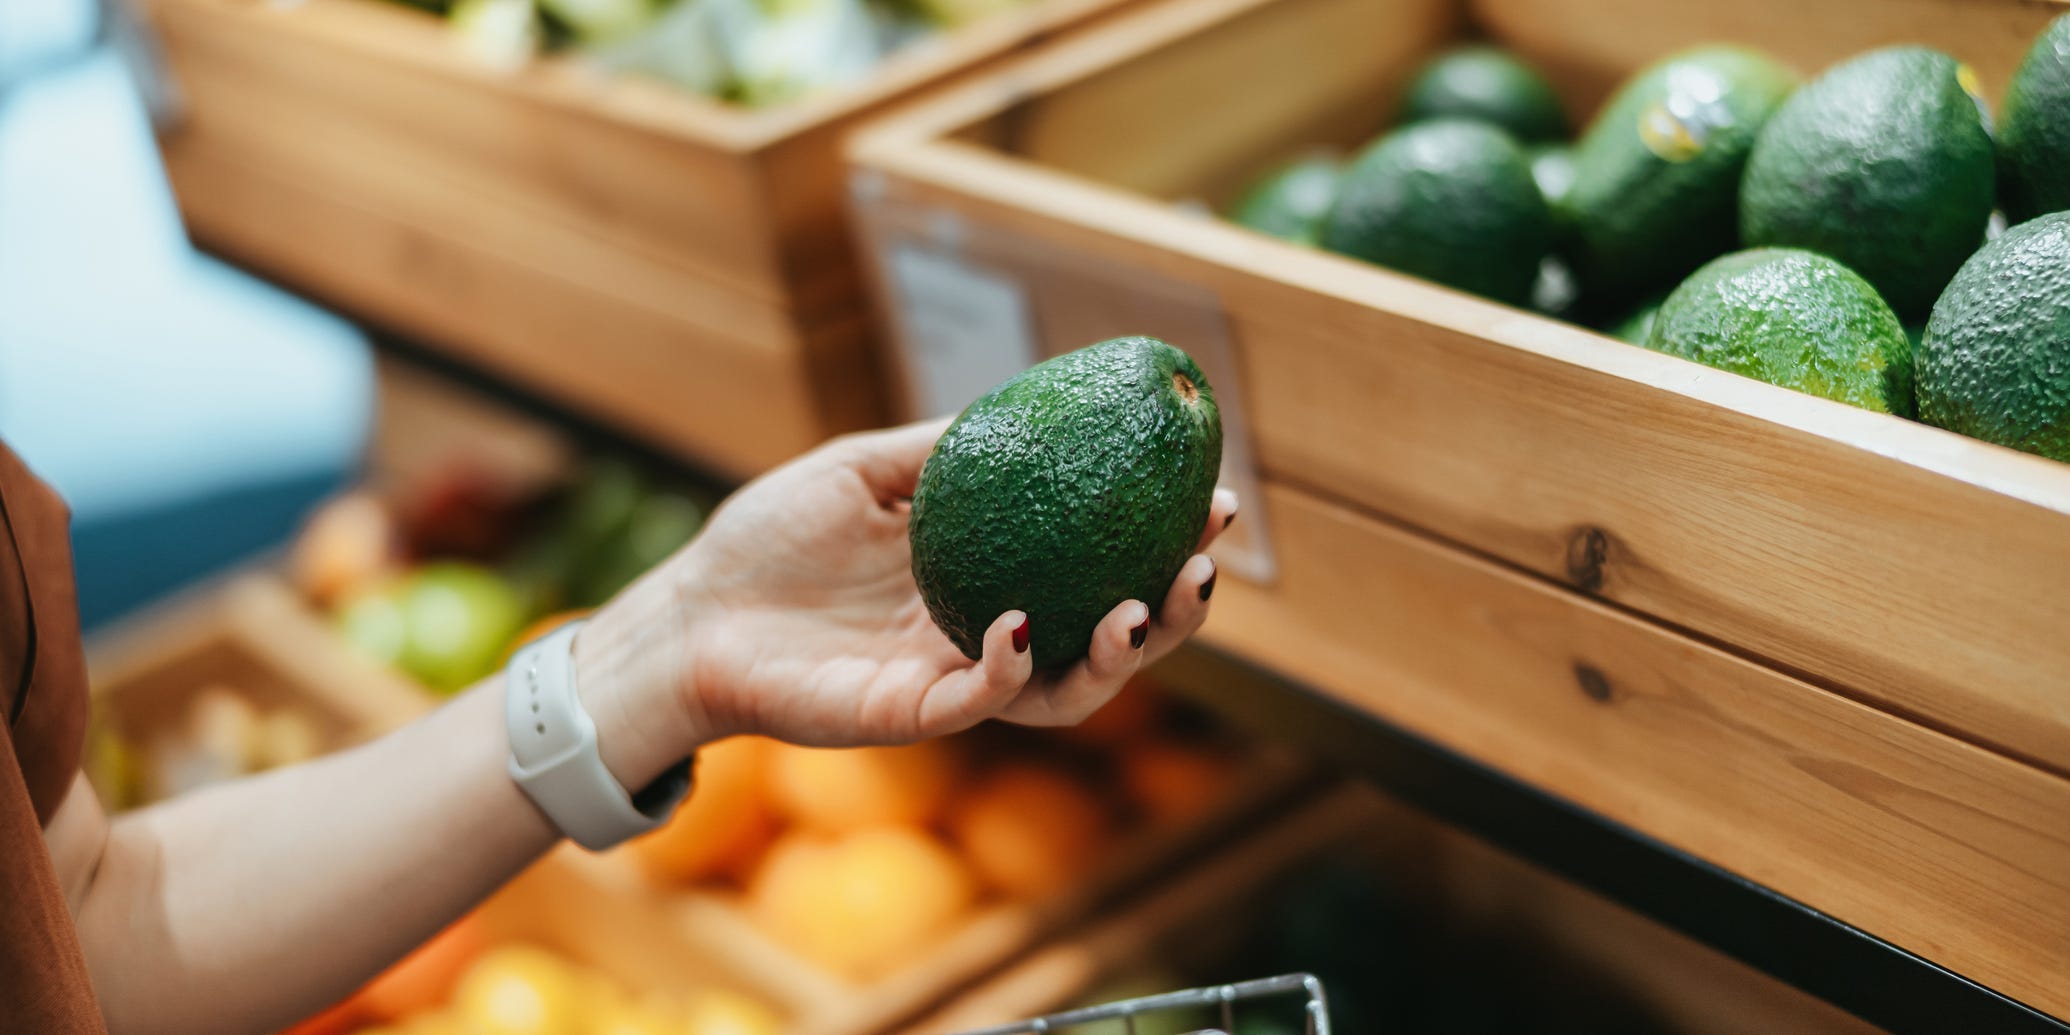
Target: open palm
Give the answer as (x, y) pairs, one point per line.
(804, 622)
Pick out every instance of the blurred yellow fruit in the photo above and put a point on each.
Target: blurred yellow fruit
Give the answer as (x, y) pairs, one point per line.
(1029, 830)
(853, 788)
(719, 1012)
(1173, 782)
(726, 822)
(859, 903)
(349, 542)
(627, 1018)
(519, 990)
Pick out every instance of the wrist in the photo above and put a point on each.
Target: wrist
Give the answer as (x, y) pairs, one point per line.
(632, 661)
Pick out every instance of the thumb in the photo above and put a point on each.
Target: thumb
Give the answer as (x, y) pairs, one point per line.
(889, 461)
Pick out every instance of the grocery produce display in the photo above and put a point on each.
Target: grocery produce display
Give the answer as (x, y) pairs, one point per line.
(1882, 163)
(750, 52)
(1077, 484)
(1995, 361)
(466, 981)
(218, 733)
(1858, 194)
(861, 860)
(1791, 318)
(2033, 132)
(443, 582)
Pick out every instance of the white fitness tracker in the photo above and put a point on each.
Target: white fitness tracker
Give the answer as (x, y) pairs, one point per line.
(553, 751)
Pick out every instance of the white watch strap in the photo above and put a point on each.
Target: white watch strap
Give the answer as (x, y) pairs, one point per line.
(553, 749)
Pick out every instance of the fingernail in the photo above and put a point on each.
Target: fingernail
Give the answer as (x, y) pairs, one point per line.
(1207, 588)
(1141, 632)
(1020, 636)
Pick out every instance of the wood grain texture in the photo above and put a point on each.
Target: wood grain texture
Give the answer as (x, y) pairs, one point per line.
(675, 265)
(1937, 846)
(1906, 566)
(1589, 46)
(735, 405)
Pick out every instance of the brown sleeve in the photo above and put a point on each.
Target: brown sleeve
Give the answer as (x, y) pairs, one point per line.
(47, 716)
(44, 985)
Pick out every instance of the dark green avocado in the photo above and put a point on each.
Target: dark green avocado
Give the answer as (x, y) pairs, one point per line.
(1449, 200)
(2034, 129)
(1995, 362)
(1078, 483)
(1289, 201)
(1882, 163)
(1656, 175)
(1791, 318)
(1494, 86)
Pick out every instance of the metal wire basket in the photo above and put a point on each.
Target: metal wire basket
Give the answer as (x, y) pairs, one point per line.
(1316, 1010)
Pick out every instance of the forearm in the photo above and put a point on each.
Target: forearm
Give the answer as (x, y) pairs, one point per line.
(246, 907)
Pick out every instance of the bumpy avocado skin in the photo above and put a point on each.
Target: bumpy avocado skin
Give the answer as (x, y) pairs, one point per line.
(1791, 318)
(1077, 484)
(1449, 200)
(1288, 202)
(2034, 129)
(1494, 86)
(1656, 175)
(1882, 163)
(1995, 362)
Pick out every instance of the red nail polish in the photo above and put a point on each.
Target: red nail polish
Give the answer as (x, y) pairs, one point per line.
(1207, 588)
(1020, 636)
(1137, 635)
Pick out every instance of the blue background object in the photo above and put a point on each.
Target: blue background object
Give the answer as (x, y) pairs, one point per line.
(189, 413)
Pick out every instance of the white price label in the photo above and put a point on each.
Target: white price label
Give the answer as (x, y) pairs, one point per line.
(966, 328)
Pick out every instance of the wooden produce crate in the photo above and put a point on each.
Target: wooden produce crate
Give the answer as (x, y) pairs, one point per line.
(995, 934)
(429, 426)
(1681, 985)
(250, 634)
(672, 264)
(1820, 646)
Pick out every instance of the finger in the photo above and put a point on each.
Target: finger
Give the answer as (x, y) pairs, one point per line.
(889, 461)
(968, 696)
(1185, 607)
(1115, 655)
(1221, 512)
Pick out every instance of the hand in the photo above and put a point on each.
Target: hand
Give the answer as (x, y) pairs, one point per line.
(794, 615)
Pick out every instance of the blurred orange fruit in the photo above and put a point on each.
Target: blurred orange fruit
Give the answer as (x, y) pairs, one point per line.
(1172, 781)
(724, 825)
(1132, 714)
(859, 903)
(852, 788)
(348, 543)
(719, 1012)
(1029, 830)
(424, 978)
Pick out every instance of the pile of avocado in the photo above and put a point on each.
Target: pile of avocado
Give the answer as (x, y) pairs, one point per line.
(1836, 236)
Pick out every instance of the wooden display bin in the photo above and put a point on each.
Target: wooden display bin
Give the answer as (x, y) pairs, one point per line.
(996, 934)
(676, 266)
(428, 425)
(1819, 646)
(253, 635)
(1681, 985)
